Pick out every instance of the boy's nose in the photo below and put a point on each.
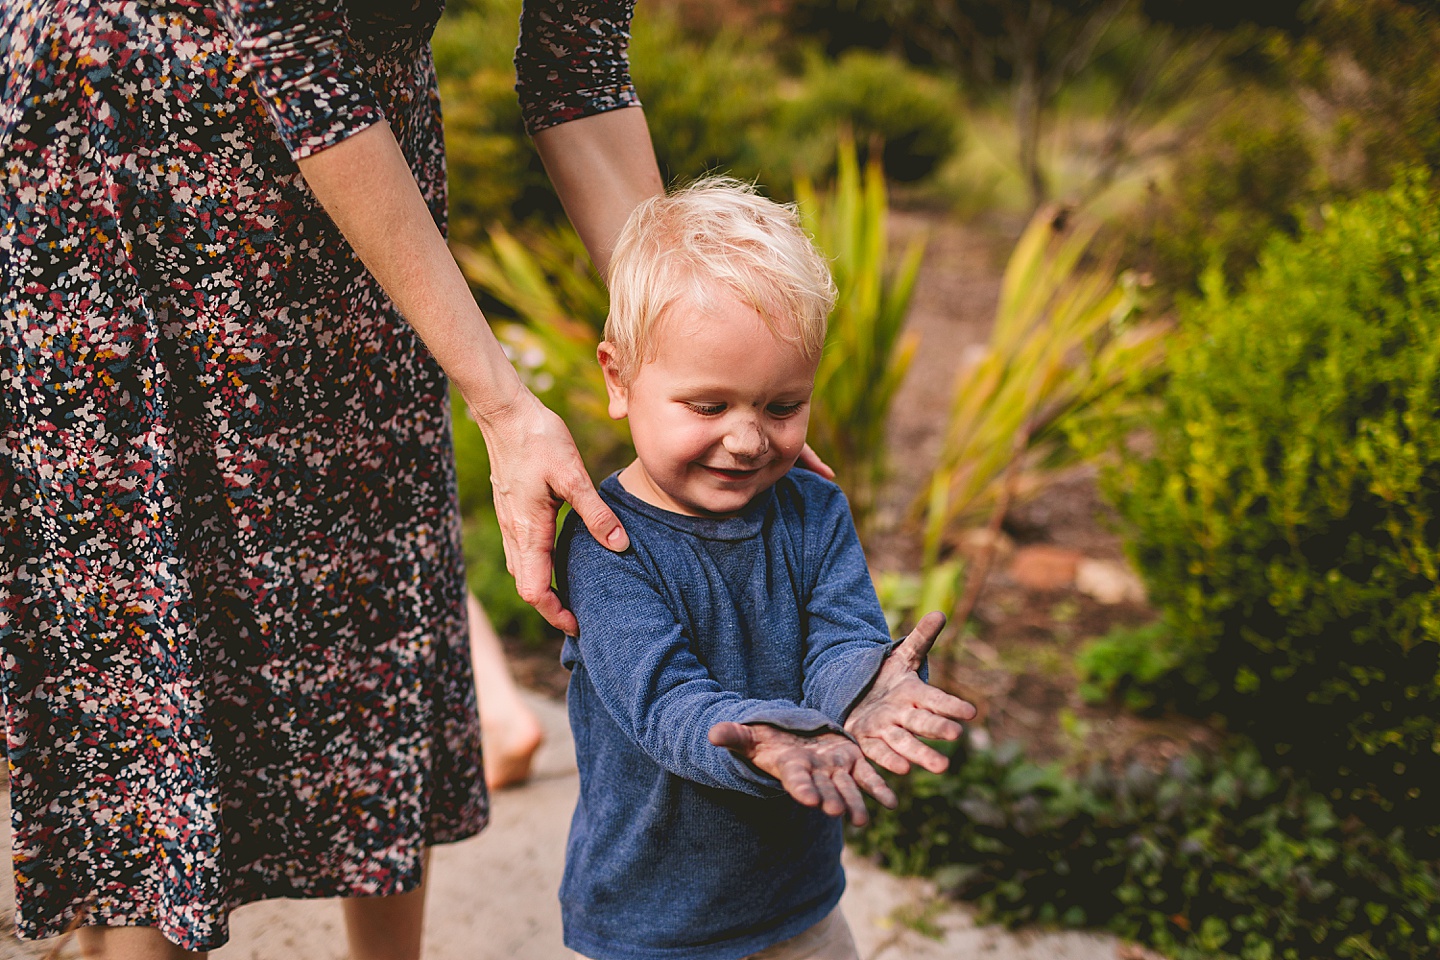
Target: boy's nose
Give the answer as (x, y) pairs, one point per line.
(746, 441)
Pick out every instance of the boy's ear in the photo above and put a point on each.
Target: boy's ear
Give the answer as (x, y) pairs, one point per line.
(614, 388)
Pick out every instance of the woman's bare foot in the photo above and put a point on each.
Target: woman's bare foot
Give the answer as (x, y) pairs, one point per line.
(510, 732)
(510, 743)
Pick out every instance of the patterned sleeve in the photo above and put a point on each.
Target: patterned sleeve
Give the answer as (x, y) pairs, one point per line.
(573, 60)
(299, 56)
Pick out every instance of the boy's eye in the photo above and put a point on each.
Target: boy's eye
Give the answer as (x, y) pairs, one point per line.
(784, 409)
(706, 409)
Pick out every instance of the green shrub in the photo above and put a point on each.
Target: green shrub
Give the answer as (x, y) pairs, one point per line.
(706, 103)
(493, 172)
(1248, 173)
(1213, 858)
(1376, 66)
(1288, 521)
(1125, 665)
(913, 116)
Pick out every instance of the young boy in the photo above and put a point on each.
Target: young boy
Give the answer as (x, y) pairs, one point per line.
(742, 617)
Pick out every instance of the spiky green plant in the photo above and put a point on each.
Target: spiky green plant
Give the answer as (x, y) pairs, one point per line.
(1063, 340)
(867, 351)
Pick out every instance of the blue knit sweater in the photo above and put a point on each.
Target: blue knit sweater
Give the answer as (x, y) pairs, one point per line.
(677, 848)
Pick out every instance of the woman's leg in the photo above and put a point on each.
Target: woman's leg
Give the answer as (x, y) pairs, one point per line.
(509, 729)
(387, 928)
(130, 943)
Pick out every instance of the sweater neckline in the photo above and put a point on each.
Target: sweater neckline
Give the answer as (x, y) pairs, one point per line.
(742, 526)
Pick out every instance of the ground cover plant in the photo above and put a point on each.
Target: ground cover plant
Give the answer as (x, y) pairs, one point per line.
(1213, 856)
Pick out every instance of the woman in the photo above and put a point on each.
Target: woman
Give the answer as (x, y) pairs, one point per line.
(231, 604)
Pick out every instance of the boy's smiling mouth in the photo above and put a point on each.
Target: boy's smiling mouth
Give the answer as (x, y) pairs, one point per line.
(731, 473)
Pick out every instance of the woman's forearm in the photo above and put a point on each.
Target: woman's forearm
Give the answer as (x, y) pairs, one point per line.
(603, 166)
(367, 188)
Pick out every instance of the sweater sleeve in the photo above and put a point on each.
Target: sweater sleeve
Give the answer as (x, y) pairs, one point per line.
(573, 60)
(299, 56)
(645, 673)
(846, 637)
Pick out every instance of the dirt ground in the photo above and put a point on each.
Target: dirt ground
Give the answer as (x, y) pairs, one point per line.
(1019, 666)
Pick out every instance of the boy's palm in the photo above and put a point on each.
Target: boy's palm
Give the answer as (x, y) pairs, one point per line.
(823, 770)
(900, 708)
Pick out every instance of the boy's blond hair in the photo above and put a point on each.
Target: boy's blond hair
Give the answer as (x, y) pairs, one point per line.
(716, 232)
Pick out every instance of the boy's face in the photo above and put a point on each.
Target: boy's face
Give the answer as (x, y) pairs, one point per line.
(718, 415)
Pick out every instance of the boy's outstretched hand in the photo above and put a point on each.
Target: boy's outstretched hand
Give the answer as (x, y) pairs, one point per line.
(900, 707)
(822, 770)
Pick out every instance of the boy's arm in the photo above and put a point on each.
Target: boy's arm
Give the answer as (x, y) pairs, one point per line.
(648, 679)
(854, 672)
(846, 637)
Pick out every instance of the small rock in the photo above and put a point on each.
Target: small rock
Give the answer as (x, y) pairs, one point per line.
(1108, 582)
(1043, 567)
(979, 540)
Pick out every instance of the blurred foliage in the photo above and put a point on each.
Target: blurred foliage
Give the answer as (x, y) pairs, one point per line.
(1373, 65)
(723, 102)
(1063, 344)
(1145, 57)
(1125, 665)
(707, 104)
(1286, 519)
(1250, 171)
(493, 172)
(1215, 857)
(866, 353)
(914, 119)
(1351, 94)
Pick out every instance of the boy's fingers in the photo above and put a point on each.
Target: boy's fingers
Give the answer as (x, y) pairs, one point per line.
(938, 701)
(850, 793)
(830, 800)
(875, 785)
(918, 752)
(923, 723)
(879, 752)
(799, 782)
(916, 646)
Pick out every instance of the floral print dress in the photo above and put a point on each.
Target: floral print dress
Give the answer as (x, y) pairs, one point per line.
(233, 649)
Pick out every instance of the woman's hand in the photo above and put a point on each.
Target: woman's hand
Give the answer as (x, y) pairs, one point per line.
(534, 467)
(810, 460)
(822, 770)
(899, 707)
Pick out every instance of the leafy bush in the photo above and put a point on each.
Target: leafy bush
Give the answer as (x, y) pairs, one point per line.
(1373, 62)
(1249, 172)
(1213, 858)
(1064, 343)
(914, 118)
(706, 103)
(1288, 521)
(1125, 665)
(493, 172)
